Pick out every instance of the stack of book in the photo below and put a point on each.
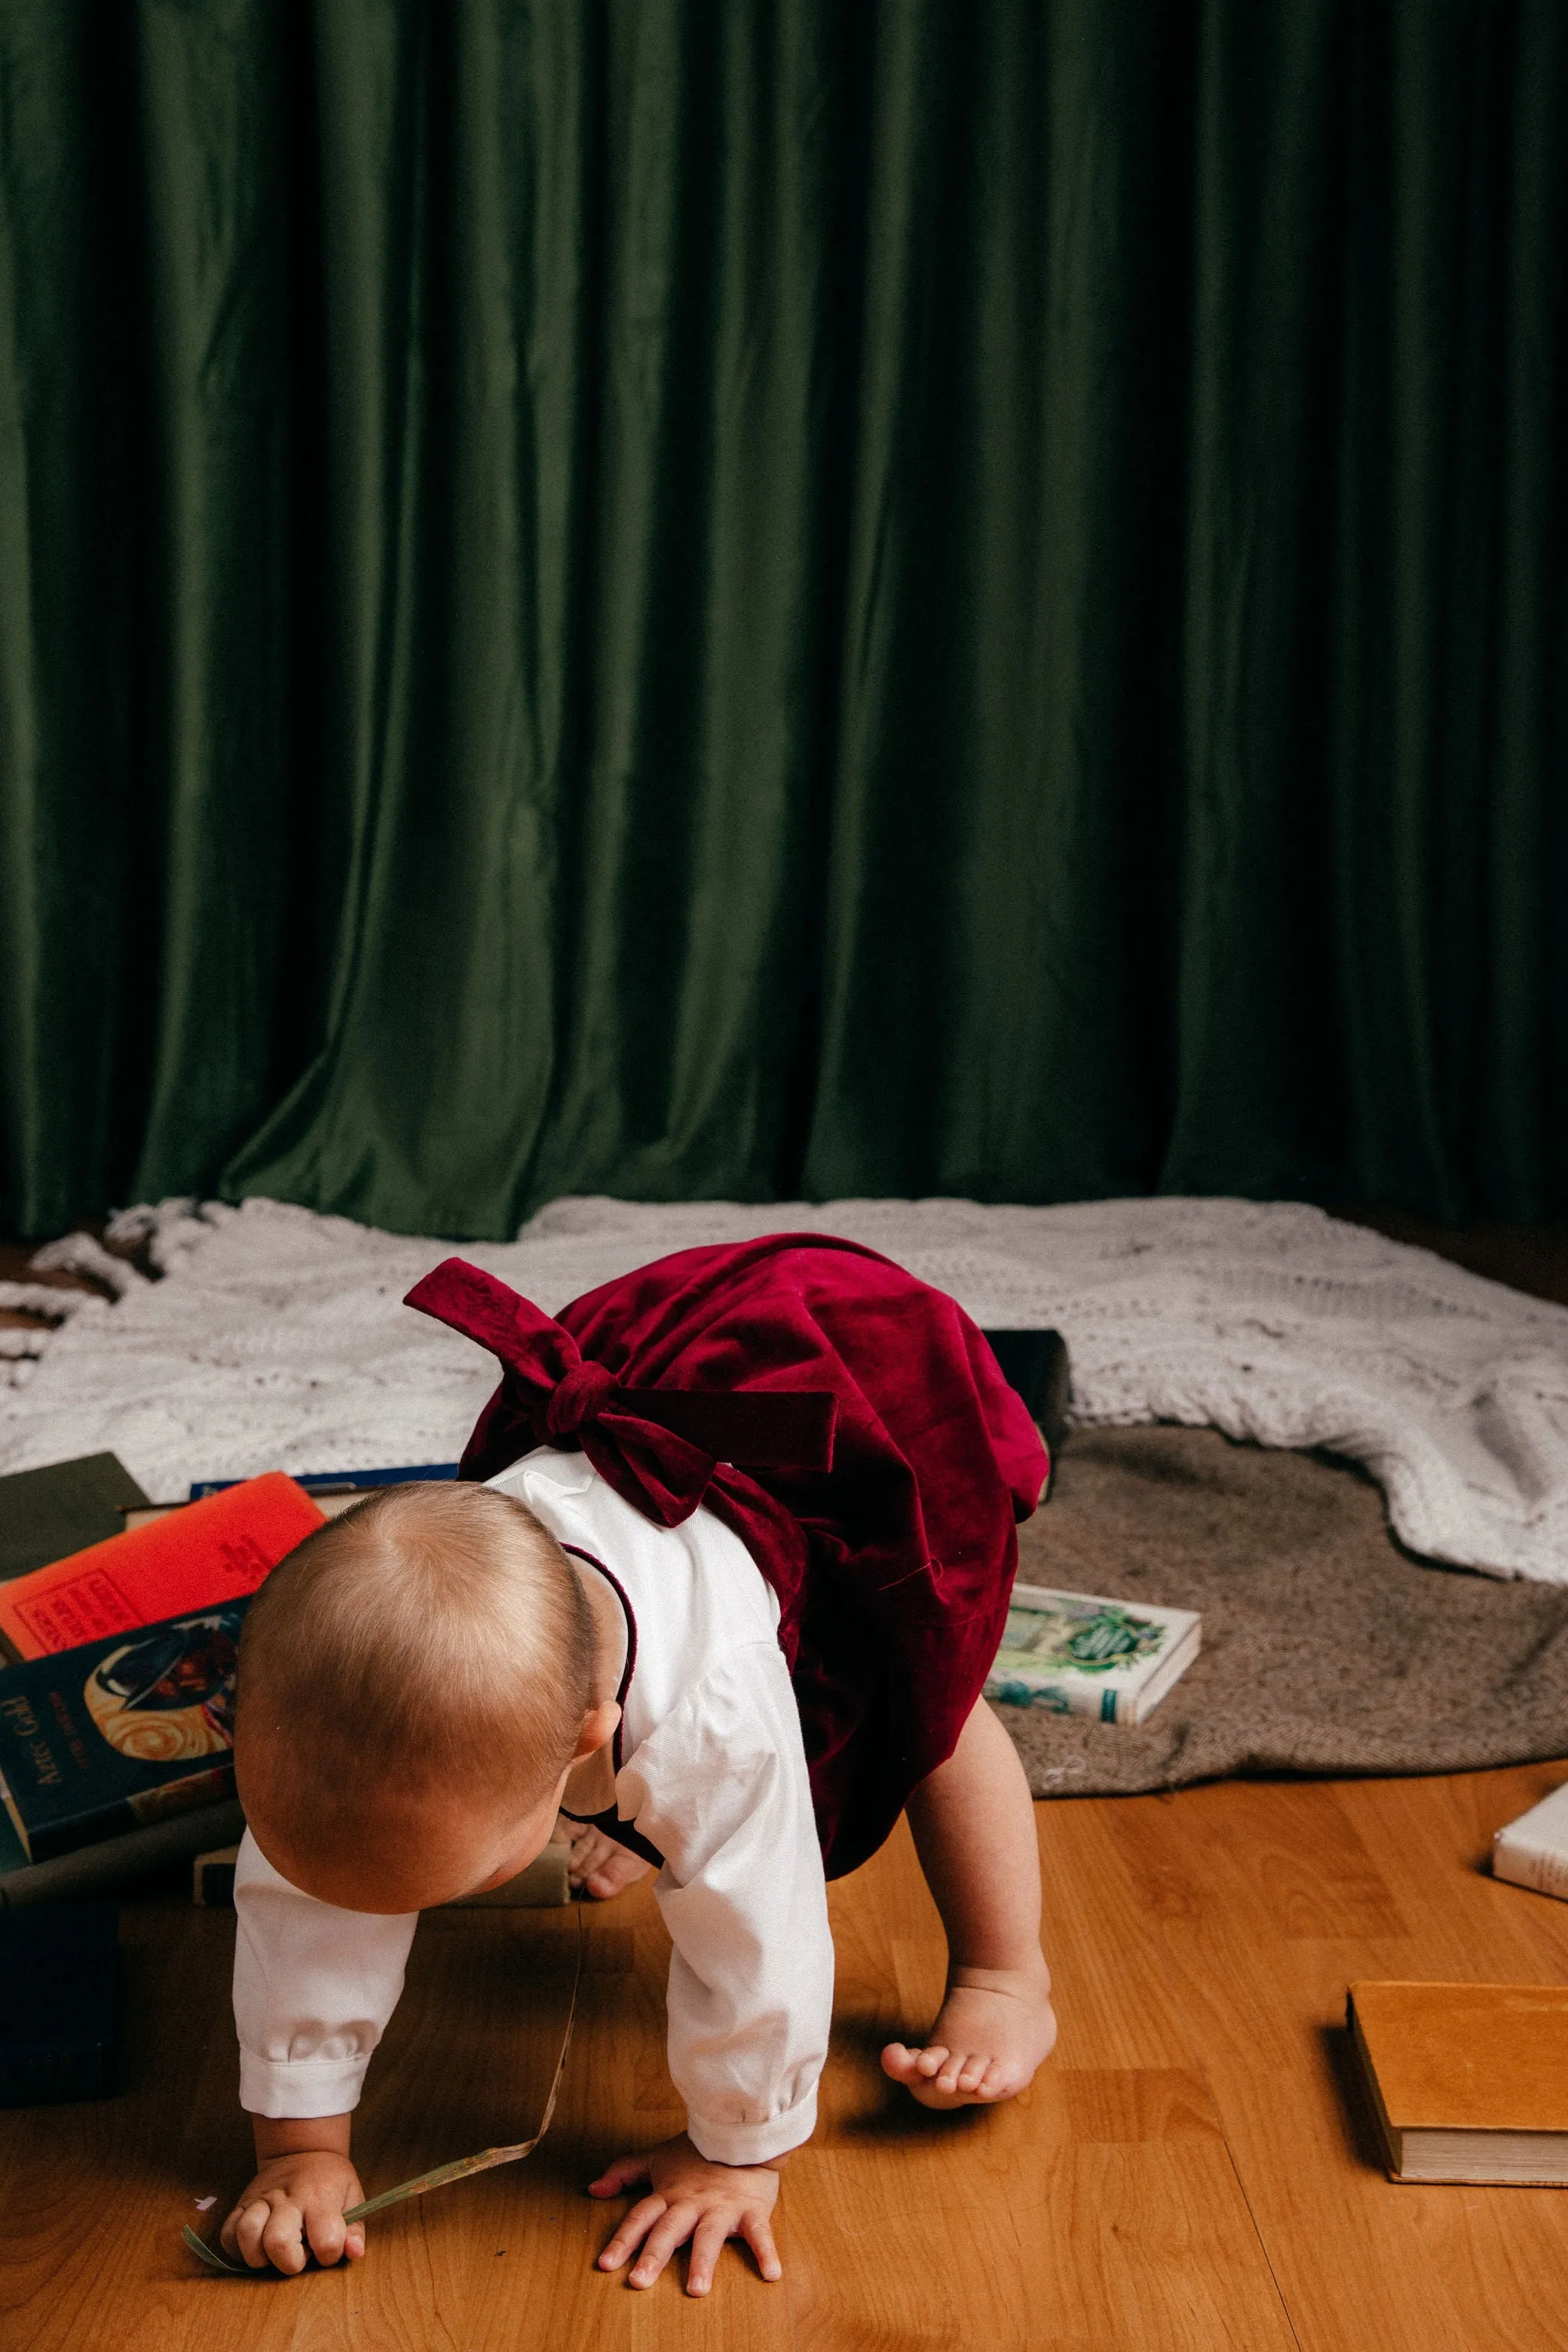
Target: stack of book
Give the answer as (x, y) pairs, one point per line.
(120, 1618)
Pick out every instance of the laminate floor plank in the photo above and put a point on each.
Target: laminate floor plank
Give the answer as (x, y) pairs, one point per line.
(1264, 1997)
(1192, 2170)
(1100, 2209)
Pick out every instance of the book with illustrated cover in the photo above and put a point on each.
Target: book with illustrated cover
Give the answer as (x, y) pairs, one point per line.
(1533, 1850)
(1467, 2082)
(198, 1558)
(1081, 1653)
(124, 1731)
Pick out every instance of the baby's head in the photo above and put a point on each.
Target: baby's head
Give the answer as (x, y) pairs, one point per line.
(416, 1680)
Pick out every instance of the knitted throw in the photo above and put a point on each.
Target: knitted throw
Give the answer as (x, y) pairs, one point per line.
(274, 1339)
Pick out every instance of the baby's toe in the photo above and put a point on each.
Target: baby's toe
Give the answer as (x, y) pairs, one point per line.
(930, 2061)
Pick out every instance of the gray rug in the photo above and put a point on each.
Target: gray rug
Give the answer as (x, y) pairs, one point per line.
(1326, 1648)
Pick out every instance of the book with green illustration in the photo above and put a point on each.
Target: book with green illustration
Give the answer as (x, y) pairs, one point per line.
(1081, 1653)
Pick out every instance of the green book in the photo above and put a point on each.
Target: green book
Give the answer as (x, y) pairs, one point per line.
(47, 1513)
(1081, 1653)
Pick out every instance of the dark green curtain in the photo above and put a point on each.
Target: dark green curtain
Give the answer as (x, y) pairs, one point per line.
(701, 597)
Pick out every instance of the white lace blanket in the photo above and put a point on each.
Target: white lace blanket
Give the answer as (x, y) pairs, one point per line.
(276, 1338)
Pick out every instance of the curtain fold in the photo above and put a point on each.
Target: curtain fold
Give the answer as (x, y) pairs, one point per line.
(617, 594)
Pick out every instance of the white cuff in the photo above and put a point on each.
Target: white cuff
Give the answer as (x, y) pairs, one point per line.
(299, 2087)
(723, 2143)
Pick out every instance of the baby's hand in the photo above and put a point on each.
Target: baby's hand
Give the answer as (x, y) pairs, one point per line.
(692, 2198)
(295, 2201)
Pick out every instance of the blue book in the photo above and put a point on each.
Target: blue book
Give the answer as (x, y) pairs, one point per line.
(128, 1729)
(58, 2009)
(337, 1482)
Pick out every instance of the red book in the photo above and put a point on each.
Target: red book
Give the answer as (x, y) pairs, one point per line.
(207, 1552)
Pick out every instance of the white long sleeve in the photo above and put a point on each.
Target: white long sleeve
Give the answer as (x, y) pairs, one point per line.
(720, 1789)
(313, 1989)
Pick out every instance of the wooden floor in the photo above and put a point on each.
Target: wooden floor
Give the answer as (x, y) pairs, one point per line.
(1192, 2171)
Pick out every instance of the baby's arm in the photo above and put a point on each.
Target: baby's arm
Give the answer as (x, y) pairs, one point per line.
(304, 2184)
(313, 1989)
(721, 1789)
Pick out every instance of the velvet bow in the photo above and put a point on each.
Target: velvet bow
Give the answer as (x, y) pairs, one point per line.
(657, 1447)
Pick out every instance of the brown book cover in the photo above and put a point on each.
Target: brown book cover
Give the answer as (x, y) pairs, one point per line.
(1470, 2081)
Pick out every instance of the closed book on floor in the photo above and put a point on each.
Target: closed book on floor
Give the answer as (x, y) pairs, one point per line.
(104, 1738)
(1533, 1850)
(198, 1558)
(48, 1513)
(58, 2004)
(1468, 2082)
(112, 1862)
(1081, 1653)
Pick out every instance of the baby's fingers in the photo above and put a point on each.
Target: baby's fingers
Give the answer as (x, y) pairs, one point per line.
(283, 2239)
(758, 2234)
(242, 2230)
(632, 2232)
(330, 2236)
(266, 2232)
(671, 2231)
(707, 2245)
(618, 2176)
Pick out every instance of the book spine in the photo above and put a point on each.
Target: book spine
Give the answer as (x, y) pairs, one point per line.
(46, 2077)
(14, 1821)
(212, 1884)
(116, 1862)
(1531, 1865)
(138, 1811)
(545, 1882)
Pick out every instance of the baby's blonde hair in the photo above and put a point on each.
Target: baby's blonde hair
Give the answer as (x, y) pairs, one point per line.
(435, 1636)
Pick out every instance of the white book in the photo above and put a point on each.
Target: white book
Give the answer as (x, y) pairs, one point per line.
(1533, 1850)
(1079, 1653)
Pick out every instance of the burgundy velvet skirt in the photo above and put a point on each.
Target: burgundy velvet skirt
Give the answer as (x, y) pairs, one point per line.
(893, 1566)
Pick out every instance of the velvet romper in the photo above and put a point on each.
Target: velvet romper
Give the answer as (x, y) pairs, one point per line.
(847, 1421)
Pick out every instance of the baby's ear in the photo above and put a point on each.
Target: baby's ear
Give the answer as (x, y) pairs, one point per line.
(598, 1729)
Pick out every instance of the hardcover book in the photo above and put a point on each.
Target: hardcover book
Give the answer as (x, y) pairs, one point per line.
(1533, 1850)
(113, 1862)
(123, 1731)
(337, 1482)
(1079, 1653)
(1467, 2082)
(58, 2004)
(46, 1513)
(199, 1557)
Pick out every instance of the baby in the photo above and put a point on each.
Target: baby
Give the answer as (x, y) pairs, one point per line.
(426, 1683)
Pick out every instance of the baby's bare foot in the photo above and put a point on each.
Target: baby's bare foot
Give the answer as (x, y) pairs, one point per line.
(598, 1865)
(996, 2027)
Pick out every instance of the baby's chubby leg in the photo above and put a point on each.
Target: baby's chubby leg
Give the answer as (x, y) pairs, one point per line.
(974, 1823)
